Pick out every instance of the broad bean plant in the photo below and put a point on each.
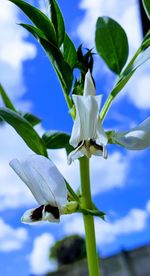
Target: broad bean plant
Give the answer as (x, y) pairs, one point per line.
(56, 197)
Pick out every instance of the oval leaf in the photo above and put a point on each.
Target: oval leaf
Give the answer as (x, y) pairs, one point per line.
(57, 140)
(25, 130)
(111, 43)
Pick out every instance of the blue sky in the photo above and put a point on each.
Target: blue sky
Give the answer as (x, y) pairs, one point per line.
(120, 185)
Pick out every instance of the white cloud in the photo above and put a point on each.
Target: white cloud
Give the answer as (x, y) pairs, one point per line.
(107, 232)
(14, 50)
(95, 8)
(105, 174)
(110, 173)
(39, 258)
(44, 6)
(138, 88)
(11, 238)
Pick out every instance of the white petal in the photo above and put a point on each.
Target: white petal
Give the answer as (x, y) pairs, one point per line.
(89, 88)
(87, 114)
(75, 154)
(27, 217)
(36, 190)
(105, 154)
(101, 135)
(136, 139)
(49, 217)
(102, 153)
(43, 179)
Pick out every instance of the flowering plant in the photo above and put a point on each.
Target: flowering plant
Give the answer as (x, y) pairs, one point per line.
(54, 195)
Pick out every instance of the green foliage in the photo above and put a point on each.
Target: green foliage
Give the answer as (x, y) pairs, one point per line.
(72, 196)
(50, 35)
(84, 63)
(58, 21)
(65, 44)
(7, 102)
(39, 19)
(69, 51)
(69, 250)
(1, 121)
(57, 140)
(32, 119)
(146, 4)
(24, 129)
(62, 69)
(111, 43)
(85, 60)
(141, 56)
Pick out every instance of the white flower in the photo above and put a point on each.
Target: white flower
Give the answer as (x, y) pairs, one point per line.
(88, 136)
(137, 138)
(47, 186)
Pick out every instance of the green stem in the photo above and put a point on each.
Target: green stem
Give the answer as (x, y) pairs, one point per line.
(92, 257)
(106, 107)
(112, 96)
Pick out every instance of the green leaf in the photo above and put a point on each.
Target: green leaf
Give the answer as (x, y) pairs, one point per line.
(1, 121)
(7, 102)
(57, 140)
(32, 119)
(58, 21)
(39, 19)
(37, 33)
(24, 129)
(69, 51)
(62, 69)
(146, 4)
(111, 43)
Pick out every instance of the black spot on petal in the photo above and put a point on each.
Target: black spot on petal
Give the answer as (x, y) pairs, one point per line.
(52, 210)
(96, 146)
(37, 213)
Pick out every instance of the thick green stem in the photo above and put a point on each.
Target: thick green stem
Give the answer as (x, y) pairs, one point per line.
(92, 257)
